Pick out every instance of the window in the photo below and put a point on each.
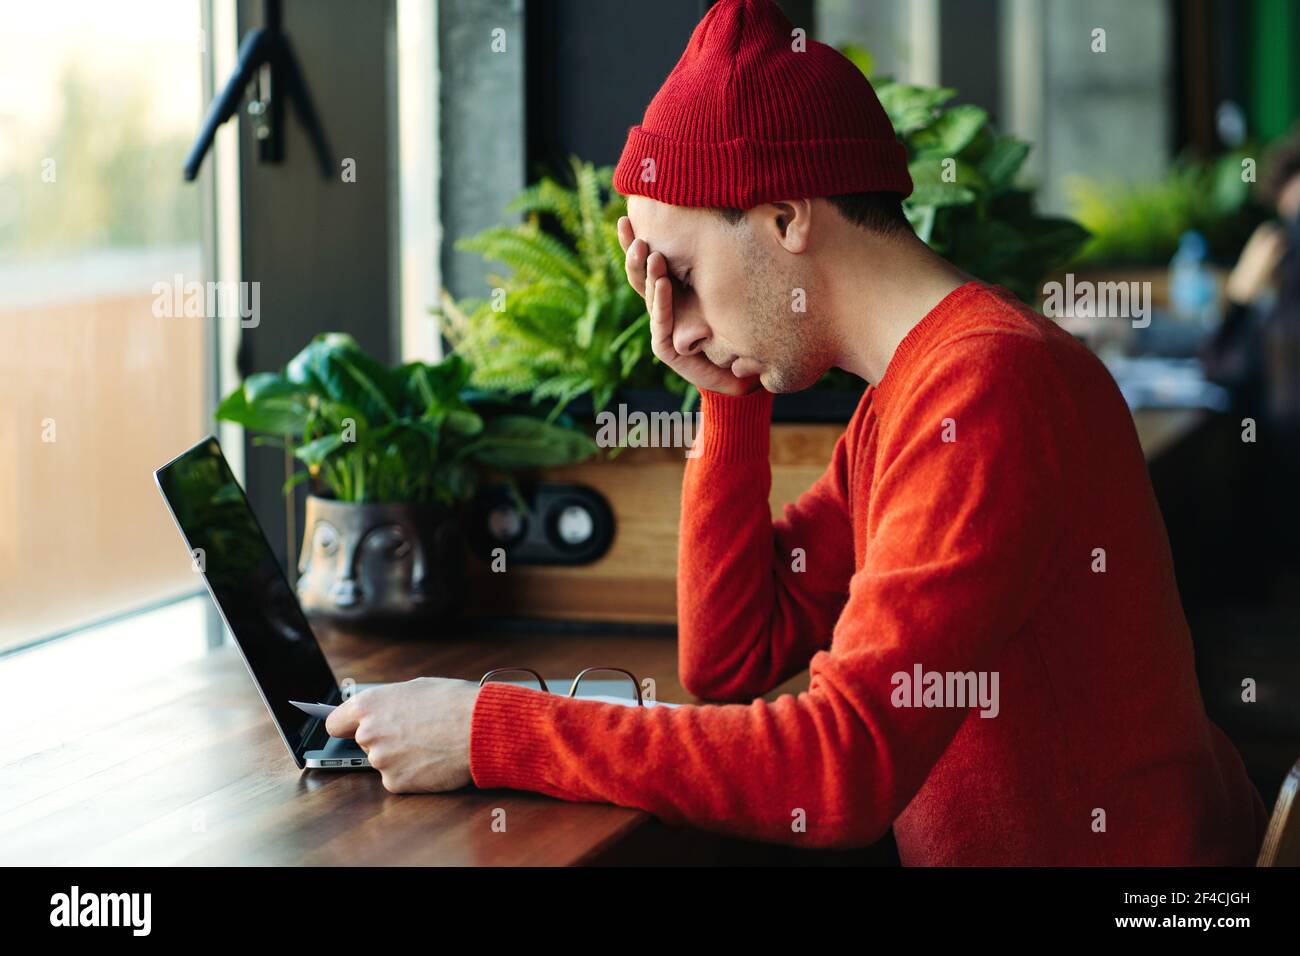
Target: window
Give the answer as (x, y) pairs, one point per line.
(98, 384)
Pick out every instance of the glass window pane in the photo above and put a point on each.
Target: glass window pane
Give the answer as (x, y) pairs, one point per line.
(98, 102)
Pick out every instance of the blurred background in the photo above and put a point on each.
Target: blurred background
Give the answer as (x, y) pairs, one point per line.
(1169, 136)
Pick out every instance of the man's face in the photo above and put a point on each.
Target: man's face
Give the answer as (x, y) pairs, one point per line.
(735, 293)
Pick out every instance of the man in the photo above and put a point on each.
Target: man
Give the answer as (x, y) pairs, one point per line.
(980, 583)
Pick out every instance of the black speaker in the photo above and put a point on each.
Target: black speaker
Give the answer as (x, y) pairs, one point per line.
(557, 524)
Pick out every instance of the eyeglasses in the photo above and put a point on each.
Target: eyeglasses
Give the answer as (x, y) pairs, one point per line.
(573, 688)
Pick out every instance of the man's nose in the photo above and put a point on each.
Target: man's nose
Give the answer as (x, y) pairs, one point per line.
(690, 332)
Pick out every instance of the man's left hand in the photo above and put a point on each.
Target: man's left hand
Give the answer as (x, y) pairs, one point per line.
(416, 734)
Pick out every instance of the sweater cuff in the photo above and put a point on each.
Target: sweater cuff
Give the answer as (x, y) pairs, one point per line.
(736, 427)
(506, 748)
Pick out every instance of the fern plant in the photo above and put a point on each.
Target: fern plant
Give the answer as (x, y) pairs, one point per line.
(564, 323)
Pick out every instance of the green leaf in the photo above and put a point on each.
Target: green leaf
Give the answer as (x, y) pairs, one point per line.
(464, 422)
(550, 197)
(911, 107)
(334, 367)
(1055, 240)
(315, 452)
(337, 415)
(262, 385)
(950, 133)
(371, 377)
(528, 251)
(1003, 161)
(513, 442)
(929, 187)
(447, 378)
(417, 387)
(989, 246)
(922, 219)
(277, 415)
(585, 329)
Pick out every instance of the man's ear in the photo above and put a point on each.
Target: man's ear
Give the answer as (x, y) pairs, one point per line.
(790, 221)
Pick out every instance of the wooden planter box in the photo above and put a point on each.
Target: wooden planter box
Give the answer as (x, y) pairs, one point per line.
(636, 580)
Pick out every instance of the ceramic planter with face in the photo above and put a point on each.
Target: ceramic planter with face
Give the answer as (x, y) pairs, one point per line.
(380, 563)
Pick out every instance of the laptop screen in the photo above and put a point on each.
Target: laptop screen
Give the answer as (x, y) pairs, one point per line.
(228, 546)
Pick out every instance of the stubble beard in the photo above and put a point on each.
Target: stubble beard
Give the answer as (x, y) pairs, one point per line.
(792, 356)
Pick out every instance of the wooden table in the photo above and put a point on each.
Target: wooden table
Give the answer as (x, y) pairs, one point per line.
(186, 768)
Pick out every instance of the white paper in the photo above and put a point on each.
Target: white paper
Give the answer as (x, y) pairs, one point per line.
(314, 710)
(626, 701)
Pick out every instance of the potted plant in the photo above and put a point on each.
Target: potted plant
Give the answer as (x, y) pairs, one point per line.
(391, 454)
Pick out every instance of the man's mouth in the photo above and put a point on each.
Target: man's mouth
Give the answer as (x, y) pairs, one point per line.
(740, 367)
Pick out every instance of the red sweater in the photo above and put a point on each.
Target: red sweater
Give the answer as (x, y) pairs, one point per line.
(963, 526)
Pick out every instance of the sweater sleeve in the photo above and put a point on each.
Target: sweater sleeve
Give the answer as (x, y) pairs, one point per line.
(755, 598)
(955, 564)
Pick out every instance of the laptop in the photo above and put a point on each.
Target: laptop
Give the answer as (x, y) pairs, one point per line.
(250, 590)
(260, 609)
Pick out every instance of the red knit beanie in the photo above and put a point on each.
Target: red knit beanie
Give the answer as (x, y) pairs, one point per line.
(752, 113)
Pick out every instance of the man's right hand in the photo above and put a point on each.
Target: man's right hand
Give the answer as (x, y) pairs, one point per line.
(648, 273)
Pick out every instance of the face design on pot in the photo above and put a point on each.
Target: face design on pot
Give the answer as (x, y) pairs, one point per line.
(367, 561)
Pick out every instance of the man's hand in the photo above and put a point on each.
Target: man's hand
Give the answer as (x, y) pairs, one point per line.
(648, 273)
(416, 734)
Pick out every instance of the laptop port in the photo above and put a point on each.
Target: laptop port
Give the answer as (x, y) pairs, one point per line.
(331, 763)
(357, 763)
